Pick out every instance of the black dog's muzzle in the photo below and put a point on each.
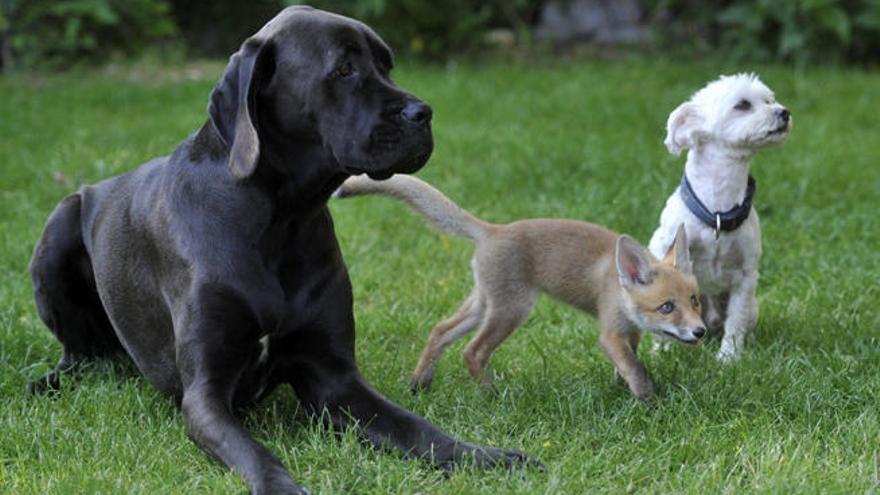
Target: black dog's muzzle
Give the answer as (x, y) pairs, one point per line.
(416, 113)
(402, 139)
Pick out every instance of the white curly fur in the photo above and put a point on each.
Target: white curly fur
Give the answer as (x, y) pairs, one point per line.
(722, 135)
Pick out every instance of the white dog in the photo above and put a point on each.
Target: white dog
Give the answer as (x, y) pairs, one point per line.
(723, 125)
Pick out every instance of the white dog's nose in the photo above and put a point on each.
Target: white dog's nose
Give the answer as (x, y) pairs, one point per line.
(785, 115)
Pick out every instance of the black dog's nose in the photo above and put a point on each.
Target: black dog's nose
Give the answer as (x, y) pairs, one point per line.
(699, 332)
(784, 114)
(417, 112)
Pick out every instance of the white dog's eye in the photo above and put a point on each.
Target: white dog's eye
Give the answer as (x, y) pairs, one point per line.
(743, 105)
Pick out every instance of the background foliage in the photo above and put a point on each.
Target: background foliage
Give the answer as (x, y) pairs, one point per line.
(764, 30)
(436, 30)
(59, 33)
(62, 33)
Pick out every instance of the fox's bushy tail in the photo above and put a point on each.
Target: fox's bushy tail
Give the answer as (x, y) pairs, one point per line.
(422, 197)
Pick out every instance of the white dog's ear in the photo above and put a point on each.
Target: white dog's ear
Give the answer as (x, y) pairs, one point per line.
(683, 128)
(679, 254)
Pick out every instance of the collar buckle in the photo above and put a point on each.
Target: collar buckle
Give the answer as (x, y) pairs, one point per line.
(717, 220)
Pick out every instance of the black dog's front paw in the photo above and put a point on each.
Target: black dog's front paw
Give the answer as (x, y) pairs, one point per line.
(277, 480)
(511, 459)
(272, 491)
(290, 488)
(488, 458)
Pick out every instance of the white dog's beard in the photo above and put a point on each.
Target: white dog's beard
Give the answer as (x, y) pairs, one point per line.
(781, 130)
(764, 134)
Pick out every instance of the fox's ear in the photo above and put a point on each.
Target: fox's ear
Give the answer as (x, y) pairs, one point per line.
(684, 128)
(633, 263)
(679, 254)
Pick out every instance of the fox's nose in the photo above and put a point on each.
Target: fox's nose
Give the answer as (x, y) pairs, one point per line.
(699, 332)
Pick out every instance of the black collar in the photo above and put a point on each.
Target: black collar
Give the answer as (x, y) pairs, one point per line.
(719, 220)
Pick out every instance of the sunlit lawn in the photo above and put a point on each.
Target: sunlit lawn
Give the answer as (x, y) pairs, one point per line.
(799, 413)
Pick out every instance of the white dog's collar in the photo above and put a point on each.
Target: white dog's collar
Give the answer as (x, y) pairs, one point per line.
(719, 220)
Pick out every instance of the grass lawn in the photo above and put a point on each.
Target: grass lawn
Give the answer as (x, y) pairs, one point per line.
(799, 414)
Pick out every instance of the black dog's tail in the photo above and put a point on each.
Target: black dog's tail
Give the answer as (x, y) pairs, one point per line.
(422, 197)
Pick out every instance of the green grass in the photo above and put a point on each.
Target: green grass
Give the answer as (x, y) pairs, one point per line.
(799, 413)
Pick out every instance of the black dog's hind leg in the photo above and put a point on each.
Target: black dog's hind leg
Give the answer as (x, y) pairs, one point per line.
(64, 290)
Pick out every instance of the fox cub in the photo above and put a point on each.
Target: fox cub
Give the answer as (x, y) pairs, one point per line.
(585, 265)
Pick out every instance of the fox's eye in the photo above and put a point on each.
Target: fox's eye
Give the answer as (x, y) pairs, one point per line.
(666, 308)
(695, 301)
(343, 70)
(743, 105)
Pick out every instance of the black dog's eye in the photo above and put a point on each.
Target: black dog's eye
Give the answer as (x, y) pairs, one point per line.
(743, 105)
(666, 308)
(695, 301)
(343, 70)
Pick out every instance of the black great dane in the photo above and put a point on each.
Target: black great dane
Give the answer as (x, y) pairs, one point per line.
(217, 269)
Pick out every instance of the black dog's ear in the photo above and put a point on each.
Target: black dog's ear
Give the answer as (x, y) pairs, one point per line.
(233, 109)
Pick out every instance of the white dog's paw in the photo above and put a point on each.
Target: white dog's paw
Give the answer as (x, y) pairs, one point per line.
(728, 353)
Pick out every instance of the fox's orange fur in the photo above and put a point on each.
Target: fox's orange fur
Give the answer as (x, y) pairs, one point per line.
(579, 263)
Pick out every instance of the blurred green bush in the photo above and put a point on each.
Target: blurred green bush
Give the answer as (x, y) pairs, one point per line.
(59, 33)
(799, 31)
(56, 34)
(439, 29)
(217, 28)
